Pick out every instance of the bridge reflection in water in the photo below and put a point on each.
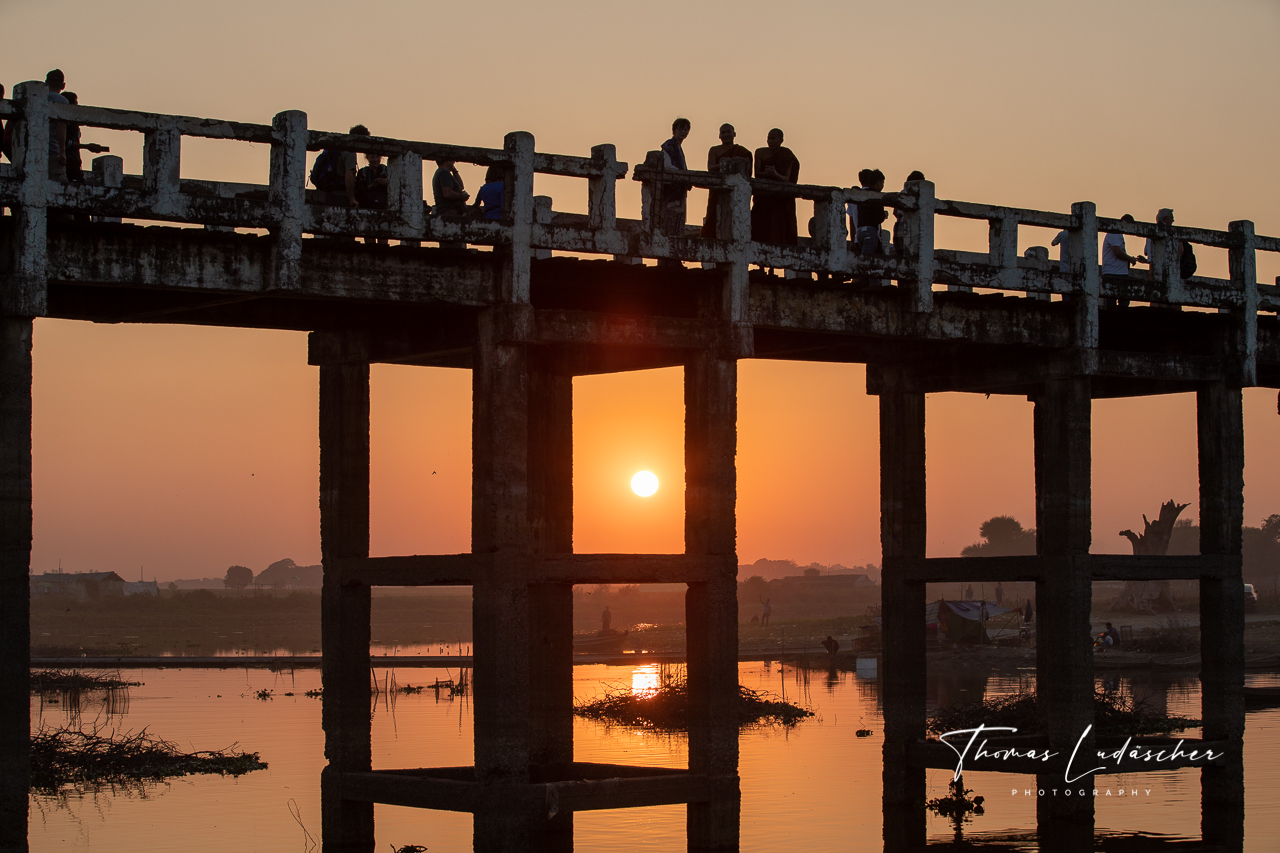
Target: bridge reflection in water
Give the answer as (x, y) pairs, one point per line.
(526, 322)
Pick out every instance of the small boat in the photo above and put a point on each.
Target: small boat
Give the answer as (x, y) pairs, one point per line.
(599, 642)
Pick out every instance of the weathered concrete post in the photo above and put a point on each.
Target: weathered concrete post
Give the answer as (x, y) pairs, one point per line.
(551, 605)
(161, 168)
(500, 528)
(289, 192)
(902, 542)
(1244, 278)
(1082, 241)
(515, 278)
(1220, 420)
(27, 291)
(344, 532)
(917, 244)
(1064, 659)
(602, 205)
(15, 585)
(711, 607)
(1002, 248)
(108, 171)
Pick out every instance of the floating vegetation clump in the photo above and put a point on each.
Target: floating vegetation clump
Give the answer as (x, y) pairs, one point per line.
(1113, 714)
(48, 680)
(72, 757)
(666, 707)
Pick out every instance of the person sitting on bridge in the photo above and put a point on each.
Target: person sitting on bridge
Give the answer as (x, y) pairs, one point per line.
(372, 182)
(1116, 261)
(773, 215)
(334, 173)
(489, 197)
(451, 197)
(726, 150)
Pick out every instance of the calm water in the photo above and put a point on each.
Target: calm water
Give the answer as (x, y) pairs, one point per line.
(816, 787)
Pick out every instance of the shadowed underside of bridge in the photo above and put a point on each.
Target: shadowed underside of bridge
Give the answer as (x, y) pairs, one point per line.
(489, 296)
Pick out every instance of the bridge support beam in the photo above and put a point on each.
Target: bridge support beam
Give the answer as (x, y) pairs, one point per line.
(344, 532)
(1220, 421)
(15, 583)
(902, 538)
(711, 606)
(1064, 666)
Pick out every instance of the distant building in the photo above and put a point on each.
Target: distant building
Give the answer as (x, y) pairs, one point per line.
(82, 586)
(141, 588)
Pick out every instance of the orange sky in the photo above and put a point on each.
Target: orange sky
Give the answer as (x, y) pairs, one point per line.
(184, 450)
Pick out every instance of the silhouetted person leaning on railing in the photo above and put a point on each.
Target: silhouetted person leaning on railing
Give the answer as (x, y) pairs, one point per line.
(1116, 261)
(489, 198)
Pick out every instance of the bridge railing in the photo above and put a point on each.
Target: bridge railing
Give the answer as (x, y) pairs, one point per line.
(529, 226)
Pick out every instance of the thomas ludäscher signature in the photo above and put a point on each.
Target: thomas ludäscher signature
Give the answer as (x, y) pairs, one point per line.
(1148, 754)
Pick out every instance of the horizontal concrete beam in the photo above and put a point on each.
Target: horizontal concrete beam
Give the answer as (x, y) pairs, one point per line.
(1101, 567)
(466, 569)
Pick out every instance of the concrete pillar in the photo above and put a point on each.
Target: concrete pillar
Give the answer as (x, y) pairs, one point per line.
(1064, 655)
(902, 539)
(501, 627)
(1082, 241)
(551, 605)
(15, 585)
(917, 242)
(26, 293)
(344, 532)
(711, 607)
(1220, 421)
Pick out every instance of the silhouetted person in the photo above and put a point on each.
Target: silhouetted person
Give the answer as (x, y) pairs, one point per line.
(672, 213)
(334, 173)
(1027, 612)
(899, 214)
(999, 594)
(870, 215)
(1113, 634)
(773, 215)
(1186, 255)
(57, 129)
(372, 182)
(768, 611)
(831, 644)
(968, 593)
(75, 164)
(446, 186)
(1116, 260)
(606, 620)
(726, 150)
(489, 196)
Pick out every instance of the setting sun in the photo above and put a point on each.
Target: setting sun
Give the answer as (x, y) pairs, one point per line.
(644, 483)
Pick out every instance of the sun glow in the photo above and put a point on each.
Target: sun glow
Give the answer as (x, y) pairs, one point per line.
(644, 483)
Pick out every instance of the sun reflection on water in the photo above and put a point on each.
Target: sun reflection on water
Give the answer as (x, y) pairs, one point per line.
(644, 679)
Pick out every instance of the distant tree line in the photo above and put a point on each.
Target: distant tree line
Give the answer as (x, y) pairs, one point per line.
(282, 574)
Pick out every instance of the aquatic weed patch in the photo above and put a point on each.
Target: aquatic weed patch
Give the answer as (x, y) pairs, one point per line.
(666, 708)
(47, 680)
(73, 757)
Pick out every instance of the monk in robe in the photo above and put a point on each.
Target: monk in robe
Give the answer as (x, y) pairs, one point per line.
(726, 150)
(773, 215)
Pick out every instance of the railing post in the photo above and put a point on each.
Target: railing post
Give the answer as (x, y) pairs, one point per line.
(515, 278)
(1083, 242)
(1166, 266)
(404, 190)
(27, 293)
(108, 172)
(161, 168)
(1002, 245)
(288, 193)
(542, 215)
(602, 206)
(829, 233)
(917, 241)
(1244, 277)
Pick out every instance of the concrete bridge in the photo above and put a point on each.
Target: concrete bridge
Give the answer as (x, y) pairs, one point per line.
(494, 297)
